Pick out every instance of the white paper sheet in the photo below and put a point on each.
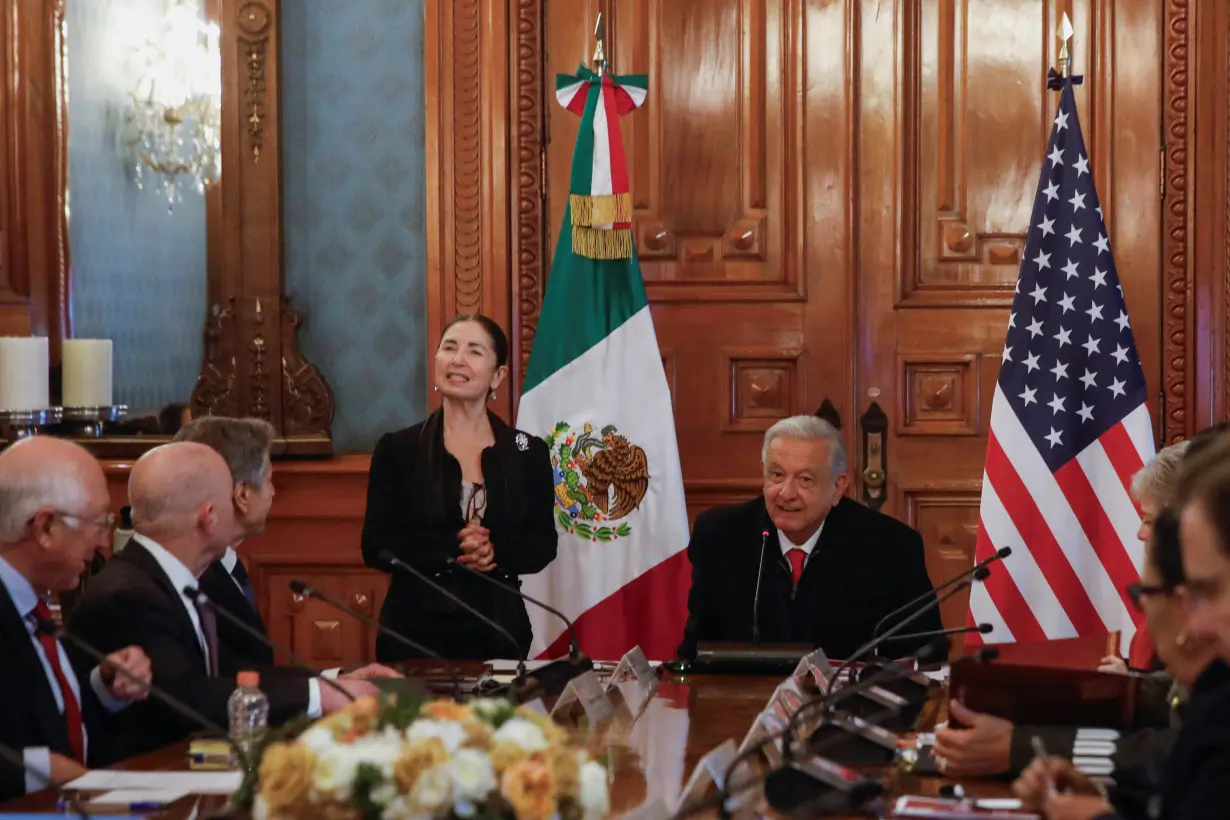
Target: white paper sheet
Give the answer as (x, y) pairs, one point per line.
(225, 783)
(139, 798)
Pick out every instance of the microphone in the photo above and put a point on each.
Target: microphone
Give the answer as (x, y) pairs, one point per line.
(1002, 553)
(764, 536)
(982, 629)
(201, 599)
(301, 588)
(176, 705)
(392, 561)
(15, 759)
(558, 672)
(979, 574)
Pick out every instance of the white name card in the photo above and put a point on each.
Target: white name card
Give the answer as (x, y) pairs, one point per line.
(590, 693)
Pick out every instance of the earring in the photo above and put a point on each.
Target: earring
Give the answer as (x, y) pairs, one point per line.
(1180, 639)
(493, 395)
(435, 388)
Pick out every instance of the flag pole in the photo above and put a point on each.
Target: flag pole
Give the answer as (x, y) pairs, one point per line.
(599, 60)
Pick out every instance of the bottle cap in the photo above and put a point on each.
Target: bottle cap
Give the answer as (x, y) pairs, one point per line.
(249, 679)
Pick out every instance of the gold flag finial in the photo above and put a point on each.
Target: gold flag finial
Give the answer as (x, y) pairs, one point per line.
(599, 54)
(1065, 49)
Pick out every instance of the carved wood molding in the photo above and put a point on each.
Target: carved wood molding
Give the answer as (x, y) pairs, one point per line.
(1177, 423)
(253, 363)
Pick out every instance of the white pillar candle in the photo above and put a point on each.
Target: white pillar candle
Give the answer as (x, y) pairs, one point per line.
(87, 373)
(24, 369)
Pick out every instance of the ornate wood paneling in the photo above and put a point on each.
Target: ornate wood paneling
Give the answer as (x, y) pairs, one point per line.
(946, 515)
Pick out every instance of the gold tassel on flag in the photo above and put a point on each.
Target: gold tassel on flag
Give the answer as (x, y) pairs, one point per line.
(602, 244)
(604, 209)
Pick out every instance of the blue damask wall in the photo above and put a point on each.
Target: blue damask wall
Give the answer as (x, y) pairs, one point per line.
(353, 213)
(138, 271)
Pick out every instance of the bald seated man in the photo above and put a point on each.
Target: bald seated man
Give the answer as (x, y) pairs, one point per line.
(53, 513)
(183, 518)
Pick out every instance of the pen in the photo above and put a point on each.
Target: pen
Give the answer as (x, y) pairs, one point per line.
(1040, 753)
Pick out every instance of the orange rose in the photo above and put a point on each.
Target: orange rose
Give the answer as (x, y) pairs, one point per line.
(530, 790)
(447, 710)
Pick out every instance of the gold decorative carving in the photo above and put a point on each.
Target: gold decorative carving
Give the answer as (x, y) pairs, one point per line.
(307, 400)
(259, 376)
(214, 393)
(467, 147)
(254, 20)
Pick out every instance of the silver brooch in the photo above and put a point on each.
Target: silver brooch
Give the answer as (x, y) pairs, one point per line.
(523, 442)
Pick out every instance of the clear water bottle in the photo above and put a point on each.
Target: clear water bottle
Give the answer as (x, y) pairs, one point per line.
(249, 716)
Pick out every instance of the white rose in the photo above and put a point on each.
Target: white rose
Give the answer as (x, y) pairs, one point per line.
(380, 750)
(433, 790)
(451, 734)
(400, 809)
(335, 772)
(488, 707)
(318, 740)
(521, 733)
(473, 780)
(385, 793)
(260, 809)
(595, 797)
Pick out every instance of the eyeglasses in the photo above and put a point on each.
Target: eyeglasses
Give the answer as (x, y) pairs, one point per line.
(1138, 592)
(477, 504)
(103, 524)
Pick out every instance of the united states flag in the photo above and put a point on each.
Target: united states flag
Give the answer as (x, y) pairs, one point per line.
(1069, 425)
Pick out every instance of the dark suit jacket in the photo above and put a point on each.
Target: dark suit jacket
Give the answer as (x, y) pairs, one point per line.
(28, 716)
(1198, 774)
(864, 566)
(133, 602)
(237, 649)
(414, 511)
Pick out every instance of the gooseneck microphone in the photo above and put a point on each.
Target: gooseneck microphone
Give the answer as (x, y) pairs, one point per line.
(554, 676)
(15, 759)
(201, 599)
(1001, 554)
(176, 705)
(764, 537)
(302, 588)
(982, 629)
(979, 574)
(393, 562)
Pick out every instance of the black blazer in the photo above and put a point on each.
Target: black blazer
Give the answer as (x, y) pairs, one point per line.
(864, 566)
(133, 602)
(29, 716)
(1197, 781)
(237, 650)
(414, 511)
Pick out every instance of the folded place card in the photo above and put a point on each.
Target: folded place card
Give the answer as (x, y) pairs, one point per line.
(589, 692)
(817, 665)
(711, 770)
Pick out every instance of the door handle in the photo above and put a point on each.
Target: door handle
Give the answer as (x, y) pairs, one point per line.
(874, 424)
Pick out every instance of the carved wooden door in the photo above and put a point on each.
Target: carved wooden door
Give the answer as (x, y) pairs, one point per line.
(954, 118)
(742, 190)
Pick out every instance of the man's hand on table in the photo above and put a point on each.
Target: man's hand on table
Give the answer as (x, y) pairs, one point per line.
(372, 670)
(331, 700)
(983, 749)
(1038, 785)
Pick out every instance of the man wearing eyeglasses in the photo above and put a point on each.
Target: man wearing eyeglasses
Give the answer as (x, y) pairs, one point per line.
(53, 514)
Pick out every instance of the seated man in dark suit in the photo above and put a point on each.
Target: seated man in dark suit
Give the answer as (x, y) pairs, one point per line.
(183, 517)
(245, 446)
(825, 568)
(53, 513)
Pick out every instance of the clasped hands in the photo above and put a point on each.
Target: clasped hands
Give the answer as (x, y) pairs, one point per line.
(476, 550)
(134, 685)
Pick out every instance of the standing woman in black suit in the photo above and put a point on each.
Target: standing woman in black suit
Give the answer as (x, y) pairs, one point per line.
(461, 485)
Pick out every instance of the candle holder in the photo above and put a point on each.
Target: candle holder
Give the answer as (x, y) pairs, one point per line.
(89, 421)
(19, 424)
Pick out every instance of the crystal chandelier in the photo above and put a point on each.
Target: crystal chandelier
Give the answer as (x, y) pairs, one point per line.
(172, 126)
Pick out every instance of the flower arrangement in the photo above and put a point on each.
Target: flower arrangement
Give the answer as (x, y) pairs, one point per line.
(481, 760)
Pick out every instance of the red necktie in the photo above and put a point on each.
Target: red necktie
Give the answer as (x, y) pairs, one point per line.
(797, 559)
(72, 709)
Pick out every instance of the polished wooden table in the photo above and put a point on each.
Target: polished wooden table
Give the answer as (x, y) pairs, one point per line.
(650, 757)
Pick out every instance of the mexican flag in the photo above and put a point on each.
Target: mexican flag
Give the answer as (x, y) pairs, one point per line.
(596, 391)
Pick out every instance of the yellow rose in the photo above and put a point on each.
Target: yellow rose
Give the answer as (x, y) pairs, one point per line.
(529, 789)
(565, 769)
(478, 734)
(505, 754)
(447, 710)
(286, 777)
(417, 759)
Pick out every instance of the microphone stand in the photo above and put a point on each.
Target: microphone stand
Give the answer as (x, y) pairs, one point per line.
(301, 588)
(577, 662)
(969, 573)
(393, 562)
(982, 629)
(202, 599)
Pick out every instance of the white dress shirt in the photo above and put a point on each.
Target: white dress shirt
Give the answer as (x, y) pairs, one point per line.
(229, 560)
(180, 576)
(25, 599)
(807, 546)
